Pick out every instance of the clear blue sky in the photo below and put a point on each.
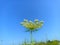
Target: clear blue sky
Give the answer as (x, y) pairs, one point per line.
(12, 12)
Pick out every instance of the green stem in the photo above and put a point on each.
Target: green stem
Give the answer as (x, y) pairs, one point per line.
(31, 37)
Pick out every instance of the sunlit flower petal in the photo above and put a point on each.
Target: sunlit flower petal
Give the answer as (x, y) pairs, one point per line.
(25, 20)
(36, 20)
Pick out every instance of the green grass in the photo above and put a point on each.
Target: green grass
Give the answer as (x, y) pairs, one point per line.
(53, 42)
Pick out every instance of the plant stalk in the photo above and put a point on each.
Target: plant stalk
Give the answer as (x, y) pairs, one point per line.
(31, 37)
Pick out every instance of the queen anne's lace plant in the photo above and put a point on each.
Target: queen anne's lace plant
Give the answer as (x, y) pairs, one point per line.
(32, 25)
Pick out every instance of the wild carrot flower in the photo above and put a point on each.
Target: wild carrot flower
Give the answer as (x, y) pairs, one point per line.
(32, 25)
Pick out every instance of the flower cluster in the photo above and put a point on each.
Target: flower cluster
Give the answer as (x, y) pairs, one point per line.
(32, 25)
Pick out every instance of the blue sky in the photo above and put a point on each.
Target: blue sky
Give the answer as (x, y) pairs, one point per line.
(12, 12)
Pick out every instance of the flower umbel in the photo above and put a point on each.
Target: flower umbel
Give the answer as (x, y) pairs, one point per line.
(32, 25)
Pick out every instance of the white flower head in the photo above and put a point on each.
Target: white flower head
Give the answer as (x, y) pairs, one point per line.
(25, 20)
(36, 20)
(30, 21)
(32, 25)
